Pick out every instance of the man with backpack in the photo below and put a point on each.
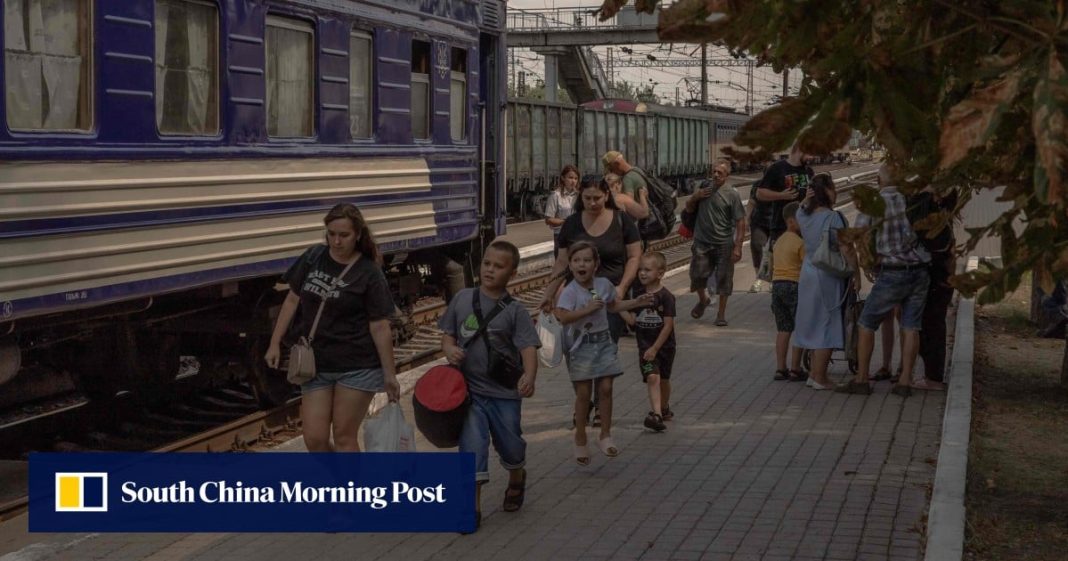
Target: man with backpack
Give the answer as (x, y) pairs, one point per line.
(784, 182)
(719, 233)
(661, 196)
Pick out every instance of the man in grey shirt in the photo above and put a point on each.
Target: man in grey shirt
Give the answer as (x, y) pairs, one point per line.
(717, 240)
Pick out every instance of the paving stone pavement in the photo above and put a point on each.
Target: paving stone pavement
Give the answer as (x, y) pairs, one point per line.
(750, 469)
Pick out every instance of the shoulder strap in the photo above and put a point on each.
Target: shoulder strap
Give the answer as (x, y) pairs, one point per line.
(483, 324)
(319, 314)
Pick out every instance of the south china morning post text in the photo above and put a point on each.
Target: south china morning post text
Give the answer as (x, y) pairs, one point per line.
(210, 492)
(278, 492)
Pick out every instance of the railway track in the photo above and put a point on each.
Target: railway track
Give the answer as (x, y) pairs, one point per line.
(259, 429)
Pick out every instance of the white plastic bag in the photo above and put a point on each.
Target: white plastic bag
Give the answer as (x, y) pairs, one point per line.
(551, 332)
(388, 431)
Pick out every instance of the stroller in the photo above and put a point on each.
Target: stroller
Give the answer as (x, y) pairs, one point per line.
(852, 305)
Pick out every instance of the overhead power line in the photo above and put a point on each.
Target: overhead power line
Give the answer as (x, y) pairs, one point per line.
(683, 62)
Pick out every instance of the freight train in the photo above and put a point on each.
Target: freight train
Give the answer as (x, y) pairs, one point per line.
(163, 161)
(676, 144)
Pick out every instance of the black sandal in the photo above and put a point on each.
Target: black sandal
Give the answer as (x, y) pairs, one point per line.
(513, 502)
(797, 375)
(782, 375)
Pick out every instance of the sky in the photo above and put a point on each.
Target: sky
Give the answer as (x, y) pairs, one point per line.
(667, 81)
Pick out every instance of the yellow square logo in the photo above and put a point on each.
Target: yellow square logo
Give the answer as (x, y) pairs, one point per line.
(81, 492)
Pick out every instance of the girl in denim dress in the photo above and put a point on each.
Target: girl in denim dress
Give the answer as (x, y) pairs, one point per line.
(583, 307)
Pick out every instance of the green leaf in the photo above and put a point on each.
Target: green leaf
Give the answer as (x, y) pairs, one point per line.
(1050, 125)
(776, 128)
(868, 200)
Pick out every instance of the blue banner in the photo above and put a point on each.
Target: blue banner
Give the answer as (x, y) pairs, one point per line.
(270, 492)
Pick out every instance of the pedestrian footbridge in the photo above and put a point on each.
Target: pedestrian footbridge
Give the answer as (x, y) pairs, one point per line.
(564, 36)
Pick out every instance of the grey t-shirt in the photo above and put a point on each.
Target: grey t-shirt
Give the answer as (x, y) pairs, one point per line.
(512, 326)
(717, 216)
(575, 297)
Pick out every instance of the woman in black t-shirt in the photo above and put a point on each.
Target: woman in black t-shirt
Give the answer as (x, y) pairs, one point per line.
(353, 344)
(599, 221)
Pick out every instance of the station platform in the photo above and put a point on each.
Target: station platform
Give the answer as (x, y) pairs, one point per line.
(750, 469)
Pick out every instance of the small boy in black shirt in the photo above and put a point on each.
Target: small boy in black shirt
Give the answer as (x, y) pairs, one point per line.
(655, 333)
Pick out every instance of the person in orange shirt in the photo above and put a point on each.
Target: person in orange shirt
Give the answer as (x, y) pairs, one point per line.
(787, 256)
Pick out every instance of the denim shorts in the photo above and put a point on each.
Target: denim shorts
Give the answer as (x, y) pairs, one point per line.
(597, 356)
(364, 379)
(907, 287)
(496, 420)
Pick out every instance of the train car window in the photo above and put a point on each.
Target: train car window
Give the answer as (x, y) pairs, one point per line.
(290, 77)
(360, 80)
(458, 95)
(47, 59)
(421, 89)
(187, 68)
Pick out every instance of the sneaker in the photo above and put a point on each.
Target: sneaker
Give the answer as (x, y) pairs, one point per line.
(817, 386)
(756, 286)
(655, 422)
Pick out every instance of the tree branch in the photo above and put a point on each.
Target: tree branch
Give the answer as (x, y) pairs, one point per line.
(942, 39)
(986, 20)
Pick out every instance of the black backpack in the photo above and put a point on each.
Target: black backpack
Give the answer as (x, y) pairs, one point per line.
(662, 205)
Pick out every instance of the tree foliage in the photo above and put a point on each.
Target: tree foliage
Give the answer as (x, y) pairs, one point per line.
(965, 93)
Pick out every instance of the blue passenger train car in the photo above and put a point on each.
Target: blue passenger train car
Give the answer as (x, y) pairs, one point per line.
(162, 161)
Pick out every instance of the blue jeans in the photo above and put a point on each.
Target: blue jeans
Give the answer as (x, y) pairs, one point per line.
(907, 287)
(499, 419)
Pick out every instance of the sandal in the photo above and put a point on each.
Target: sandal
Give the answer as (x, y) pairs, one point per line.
(699, 309)
(880, 375)
(608, 448)
(782, 375)
(903, 391)
(721, 323)
(513, 502)
(667, 414)
(797, 375)
(582, 454)
(596, 421)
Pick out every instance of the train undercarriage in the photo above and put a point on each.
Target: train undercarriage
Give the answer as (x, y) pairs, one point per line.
(204, 336)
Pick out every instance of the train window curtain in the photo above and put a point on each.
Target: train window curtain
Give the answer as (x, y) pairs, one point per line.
(458, 95)
(186, 67)
(420, 90)
(290, 68)
(46, 56)
(360, 55)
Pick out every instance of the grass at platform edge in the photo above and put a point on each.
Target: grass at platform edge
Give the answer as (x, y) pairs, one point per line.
(1017, 497)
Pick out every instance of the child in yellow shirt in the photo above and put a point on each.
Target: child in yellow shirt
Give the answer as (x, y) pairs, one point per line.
(787, 255)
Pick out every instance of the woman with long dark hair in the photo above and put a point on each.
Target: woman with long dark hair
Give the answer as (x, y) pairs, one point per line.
(352, 342)
(821, 295)
(598, 220)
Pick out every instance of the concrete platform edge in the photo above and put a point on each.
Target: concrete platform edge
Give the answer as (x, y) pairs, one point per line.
(946, 517)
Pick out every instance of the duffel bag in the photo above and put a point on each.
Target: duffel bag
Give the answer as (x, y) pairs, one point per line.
(440, 402)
